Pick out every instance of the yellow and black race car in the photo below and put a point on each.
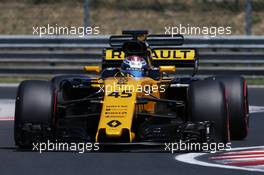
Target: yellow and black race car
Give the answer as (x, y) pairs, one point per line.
(134, 99)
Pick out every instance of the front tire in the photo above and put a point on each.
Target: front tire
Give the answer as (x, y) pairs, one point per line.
(33, 112)
(237, 97)
(207, 103)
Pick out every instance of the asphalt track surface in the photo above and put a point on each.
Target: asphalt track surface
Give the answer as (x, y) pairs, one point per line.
(13, 161)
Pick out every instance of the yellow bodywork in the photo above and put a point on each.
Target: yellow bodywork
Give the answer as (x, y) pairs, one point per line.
(119, 104)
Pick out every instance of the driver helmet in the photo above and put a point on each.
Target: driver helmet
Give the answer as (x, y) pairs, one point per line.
(135, 65)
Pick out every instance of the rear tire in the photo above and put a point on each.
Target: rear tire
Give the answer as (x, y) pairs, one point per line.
(207, 103)
(237, 97)
(33, 112)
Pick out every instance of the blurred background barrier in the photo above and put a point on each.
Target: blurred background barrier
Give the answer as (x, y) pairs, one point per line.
(32, 55)
(244, 16)
(25, 53)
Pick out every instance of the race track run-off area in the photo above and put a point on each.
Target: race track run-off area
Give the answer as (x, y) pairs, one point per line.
(245, 157)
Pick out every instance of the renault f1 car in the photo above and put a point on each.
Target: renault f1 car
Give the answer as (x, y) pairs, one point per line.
(134, 99)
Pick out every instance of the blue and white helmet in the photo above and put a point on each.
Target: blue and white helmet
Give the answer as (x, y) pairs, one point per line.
(135, 65)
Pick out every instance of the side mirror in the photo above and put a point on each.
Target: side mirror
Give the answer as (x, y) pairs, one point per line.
(96, 69)
(167, 69)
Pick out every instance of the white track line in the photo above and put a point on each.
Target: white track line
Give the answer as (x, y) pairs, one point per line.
(236, 156)
(9, 84)
(242, 159)
(7, 109)
(7, 119)
(255, 86)
(191, 158)
(256, 109)
(260, 151)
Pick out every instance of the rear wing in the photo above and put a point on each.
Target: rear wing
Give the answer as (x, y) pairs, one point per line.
(163, 49)
(116, 41)
(179, 57)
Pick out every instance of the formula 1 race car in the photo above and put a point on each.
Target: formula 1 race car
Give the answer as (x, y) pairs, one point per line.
(134, 99)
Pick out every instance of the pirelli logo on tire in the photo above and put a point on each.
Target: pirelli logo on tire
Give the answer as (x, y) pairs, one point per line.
(170, 54)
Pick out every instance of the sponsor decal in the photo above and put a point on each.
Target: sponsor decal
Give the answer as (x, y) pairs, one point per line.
(157, 54)
(114, 123)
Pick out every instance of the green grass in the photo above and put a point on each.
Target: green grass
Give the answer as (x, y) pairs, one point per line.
(255, 81)
(112, 16)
